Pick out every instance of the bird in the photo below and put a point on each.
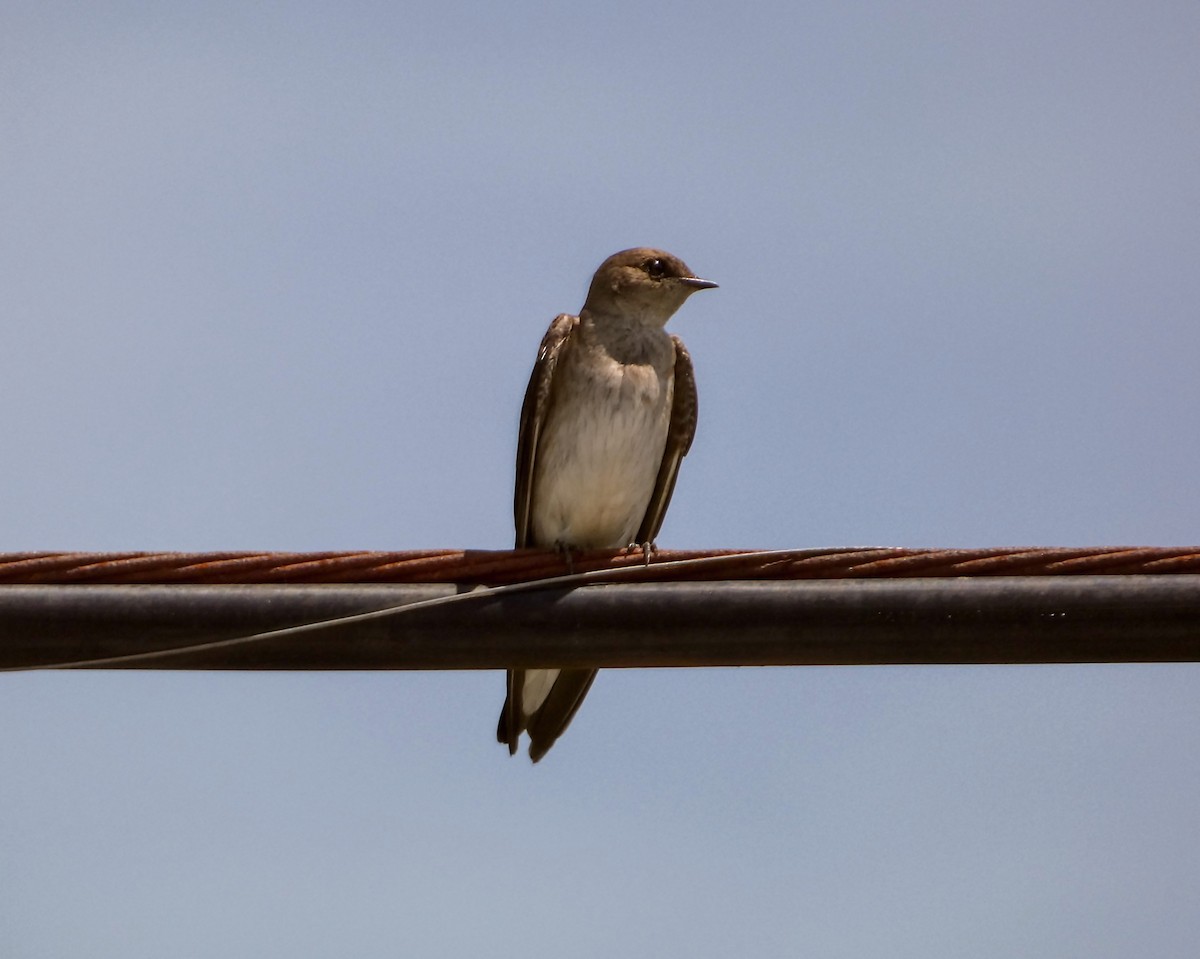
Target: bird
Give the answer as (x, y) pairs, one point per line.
(609, 413)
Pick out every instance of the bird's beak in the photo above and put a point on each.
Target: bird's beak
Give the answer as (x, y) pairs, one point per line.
(696, 283)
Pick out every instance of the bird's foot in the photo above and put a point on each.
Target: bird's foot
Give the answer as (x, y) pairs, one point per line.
(644, 548)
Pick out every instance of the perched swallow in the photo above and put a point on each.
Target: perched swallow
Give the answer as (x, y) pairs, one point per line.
(609, 413)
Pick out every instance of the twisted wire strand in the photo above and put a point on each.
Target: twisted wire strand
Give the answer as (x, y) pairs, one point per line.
(499, 567)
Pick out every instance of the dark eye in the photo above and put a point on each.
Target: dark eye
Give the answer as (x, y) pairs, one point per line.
(656, 268)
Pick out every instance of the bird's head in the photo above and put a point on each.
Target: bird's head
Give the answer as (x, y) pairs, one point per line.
(643, 282)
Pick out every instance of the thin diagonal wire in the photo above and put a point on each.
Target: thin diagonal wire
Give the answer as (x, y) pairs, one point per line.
(551, 582)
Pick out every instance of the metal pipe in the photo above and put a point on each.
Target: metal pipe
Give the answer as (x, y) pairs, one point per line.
(1060, 619)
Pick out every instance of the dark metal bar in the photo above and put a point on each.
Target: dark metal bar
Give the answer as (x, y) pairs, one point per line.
(1062, 619)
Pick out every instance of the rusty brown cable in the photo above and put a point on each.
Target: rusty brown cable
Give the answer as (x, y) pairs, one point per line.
(502, 567)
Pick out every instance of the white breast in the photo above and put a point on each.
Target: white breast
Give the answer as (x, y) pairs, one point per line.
(600, 450)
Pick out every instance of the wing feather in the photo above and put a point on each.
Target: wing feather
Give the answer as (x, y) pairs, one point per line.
(533, 415)
(513, 716)
(684, 410)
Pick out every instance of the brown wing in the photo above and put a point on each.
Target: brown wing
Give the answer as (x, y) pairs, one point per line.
(684, 407)
(533, 415)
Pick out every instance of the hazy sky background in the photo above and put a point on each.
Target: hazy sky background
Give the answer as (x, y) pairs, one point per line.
(273, 277)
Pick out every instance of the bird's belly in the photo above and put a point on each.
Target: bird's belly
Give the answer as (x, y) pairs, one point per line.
(597, 465)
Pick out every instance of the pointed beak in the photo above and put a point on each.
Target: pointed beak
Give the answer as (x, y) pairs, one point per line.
(697, 284)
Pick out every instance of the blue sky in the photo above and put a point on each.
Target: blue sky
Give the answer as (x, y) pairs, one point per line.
(274, 278)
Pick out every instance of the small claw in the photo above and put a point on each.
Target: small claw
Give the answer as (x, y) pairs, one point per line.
(644, 548)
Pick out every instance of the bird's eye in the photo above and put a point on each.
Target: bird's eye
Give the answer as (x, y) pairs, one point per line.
(656, 268)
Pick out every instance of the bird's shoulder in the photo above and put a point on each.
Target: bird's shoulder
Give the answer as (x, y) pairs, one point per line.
(557, 336)
(550, 353)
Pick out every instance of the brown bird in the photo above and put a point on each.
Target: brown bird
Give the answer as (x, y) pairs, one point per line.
(609, 413)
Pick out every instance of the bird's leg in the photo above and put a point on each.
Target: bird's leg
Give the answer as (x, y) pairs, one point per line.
(565, 552)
